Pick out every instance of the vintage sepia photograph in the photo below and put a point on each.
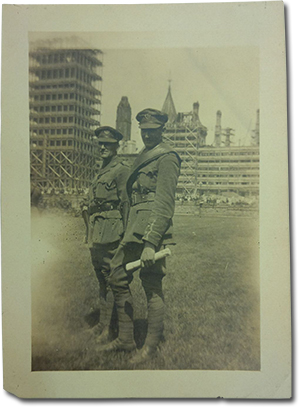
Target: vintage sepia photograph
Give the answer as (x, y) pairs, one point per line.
(133, 152)
(152, 234)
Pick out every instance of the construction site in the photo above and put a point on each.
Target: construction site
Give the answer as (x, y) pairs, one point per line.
(65, 108)
(212, 285)
(211, 169)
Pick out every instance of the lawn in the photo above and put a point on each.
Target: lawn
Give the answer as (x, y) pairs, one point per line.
(211, 295)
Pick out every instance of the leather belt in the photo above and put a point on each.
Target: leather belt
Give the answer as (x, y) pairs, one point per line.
(98, 208)
(137, 197)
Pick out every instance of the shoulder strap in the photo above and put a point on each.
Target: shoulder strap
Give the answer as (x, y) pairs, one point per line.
(147, 157)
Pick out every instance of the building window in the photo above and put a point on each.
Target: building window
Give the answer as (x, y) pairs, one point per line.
(65, 107)
(52, 120)
(52, 131)
(51, 142)
(47, 120)
(58, 119)
(64, 131)
(53, 108)
(70, 131)
(59, 108)
(42, 109)
(41, 120)
(70, 142)
(66, 96)
(40, 131)
(65, 119)
(64, 142)
(71, 119)
(58, 131)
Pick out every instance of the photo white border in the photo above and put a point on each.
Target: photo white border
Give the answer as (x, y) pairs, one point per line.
(274, 379)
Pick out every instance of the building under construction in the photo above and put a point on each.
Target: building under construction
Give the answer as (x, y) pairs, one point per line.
(216, 169)
(65, 108)
(123, 125)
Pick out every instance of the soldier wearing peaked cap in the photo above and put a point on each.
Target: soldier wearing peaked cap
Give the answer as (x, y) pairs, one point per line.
(107, 208)
(151, 189)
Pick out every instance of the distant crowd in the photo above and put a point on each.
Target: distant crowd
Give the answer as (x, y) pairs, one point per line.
(67, 199)
(232, 199)
(63, 198)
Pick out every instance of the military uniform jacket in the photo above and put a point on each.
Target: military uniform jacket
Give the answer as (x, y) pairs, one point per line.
(151, 189)
(107, 201)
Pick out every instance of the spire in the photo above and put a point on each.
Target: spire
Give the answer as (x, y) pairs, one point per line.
(169, 107)
(123, 122)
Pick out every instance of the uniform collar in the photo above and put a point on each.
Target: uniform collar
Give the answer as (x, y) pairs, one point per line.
(114, 161)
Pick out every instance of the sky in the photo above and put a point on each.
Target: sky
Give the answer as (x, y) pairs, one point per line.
(219, 78)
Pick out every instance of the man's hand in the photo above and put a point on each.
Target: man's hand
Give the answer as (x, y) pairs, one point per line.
(148, 255)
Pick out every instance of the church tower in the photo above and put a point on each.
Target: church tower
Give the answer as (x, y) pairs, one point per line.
(123, 122)
(169, 107)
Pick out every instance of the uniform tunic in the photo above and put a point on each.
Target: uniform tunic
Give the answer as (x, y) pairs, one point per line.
(107, 208)
(107, 203)
(151, 190)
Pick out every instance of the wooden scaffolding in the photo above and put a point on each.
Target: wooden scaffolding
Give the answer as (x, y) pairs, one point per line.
(65, 100)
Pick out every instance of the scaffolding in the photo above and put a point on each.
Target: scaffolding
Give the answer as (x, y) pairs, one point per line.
(65, 109)
(216, 169)
(187, 135)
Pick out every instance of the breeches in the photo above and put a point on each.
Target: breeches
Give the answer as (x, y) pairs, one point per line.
(120, 279)
(151, 278)
(101, 258)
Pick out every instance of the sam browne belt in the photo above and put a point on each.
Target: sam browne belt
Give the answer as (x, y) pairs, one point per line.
(100, 207)
(137, 197)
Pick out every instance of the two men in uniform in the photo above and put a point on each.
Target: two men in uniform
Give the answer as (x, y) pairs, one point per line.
(151, 189)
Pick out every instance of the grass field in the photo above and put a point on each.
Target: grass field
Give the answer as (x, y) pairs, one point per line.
(211, 294)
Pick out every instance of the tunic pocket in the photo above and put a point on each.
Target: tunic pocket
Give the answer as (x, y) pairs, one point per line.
(141, 221)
